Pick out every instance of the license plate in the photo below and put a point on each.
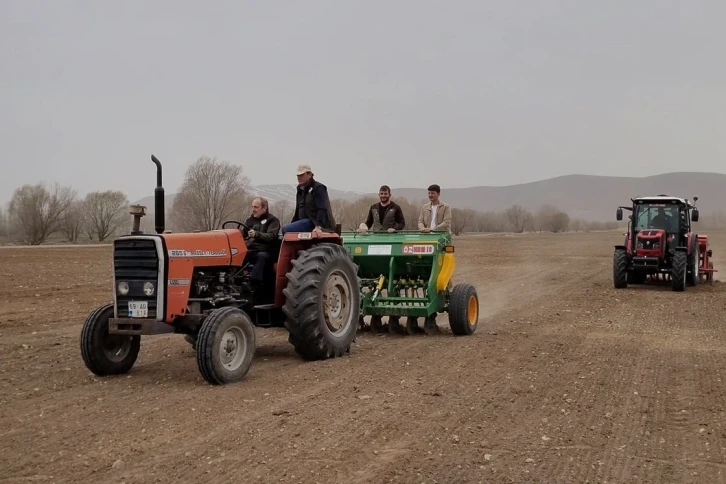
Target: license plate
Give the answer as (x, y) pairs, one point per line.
(138, 309)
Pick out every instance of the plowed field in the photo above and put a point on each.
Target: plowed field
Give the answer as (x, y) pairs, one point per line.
(565, 380)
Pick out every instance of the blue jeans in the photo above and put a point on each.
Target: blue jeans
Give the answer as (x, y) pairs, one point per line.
(304, 225)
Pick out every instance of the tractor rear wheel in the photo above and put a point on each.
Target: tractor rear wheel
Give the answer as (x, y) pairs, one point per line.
(225, 346)
(694, 261)
(620, 269)
(679, 270)
(463, 309)
(322, 302)
(103, 353)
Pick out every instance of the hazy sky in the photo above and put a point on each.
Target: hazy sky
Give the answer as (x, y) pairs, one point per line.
(407, 93)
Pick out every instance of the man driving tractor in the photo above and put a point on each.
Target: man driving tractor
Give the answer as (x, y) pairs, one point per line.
(663, 220)
(262, 239)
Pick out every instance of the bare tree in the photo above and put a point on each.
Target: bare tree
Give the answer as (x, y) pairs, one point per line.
(74, 221)
(105, 212)
(283, 209)
(461, 219)
(518, 217)
(491, 222)
(353, 213)
(577, 225)
(212, 192)
(552, 218)
(559, 222)
(35, 211)
(3, 222)
(543, 217)
(410, 212)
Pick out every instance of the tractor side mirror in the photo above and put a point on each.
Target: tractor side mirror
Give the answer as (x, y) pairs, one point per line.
(619, 214)
(694, 215)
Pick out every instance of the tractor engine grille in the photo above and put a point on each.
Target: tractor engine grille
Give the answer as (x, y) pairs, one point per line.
(135, 262)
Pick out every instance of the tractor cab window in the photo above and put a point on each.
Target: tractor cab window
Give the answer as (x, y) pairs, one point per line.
(657, 216)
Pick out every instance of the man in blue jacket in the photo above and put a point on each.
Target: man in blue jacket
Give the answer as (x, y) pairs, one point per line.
(312, 208)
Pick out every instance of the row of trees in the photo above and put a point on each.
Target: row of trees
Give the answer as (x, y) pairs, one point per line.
(37, 212)
(215, 191)
(514, 219)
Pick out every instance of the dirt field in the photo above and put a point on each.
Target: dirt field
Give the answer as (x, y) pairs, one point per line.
(566, 380)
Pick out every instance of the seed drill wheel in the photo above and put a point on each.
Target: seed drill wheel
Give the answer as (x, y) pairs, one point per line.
(107, 354)
(322, 303)
(463, 309)
(225, 346)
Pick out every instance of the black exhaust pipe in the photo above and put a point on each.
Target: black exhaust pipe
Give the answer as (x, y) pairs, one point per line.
(158, 198)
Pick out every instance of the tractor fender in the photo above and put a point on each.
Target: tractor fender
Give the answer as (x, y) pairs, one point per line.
(620, 247)
(682, 249)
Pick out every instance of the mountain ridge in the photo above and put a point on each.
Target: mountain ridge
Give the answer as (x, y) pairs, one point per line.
(589, 197)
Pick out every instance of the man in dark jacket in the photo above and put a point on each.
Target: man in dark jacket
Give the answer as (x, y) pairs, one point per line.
(384, 215)
(262, 239)
(312, 205)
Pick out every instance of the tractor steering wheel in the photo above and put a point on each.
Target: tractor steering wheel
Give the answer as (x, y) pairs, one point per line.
(239, 224)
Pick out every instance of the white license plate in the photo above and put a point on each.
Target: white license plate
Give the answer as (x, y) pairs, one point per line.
(138, 309)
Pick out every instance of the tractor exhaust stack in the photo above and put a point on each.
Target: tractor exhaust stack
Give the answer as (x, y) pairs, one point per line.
(158, 198)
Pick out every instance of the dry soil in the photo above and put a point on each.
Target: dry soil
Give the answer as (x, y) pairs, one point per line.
(566, 380)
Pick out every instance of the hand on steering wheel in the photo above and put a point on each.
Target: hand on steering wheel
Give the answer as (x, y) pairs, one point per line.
(239, 224)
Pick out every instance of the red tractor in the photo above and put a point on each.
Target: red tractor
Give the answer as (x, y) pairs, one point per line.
(659, 243)
(197, 284)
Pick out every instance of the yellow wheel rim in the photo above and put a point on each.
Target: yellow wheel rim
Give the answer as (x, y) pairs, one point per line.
(472, 311)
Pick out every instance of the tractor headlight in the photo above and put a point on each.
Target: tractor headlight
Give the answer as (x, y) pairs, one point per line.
(656, 245)
(123, 288)
(148, 288)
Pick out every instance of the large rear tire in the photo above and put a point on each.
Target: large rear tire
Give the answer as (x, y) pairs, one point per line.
(463, 309)
(620, 269)
(679, 270)
(103, 353)
(225, 346)
(322, 302)
(695, 259)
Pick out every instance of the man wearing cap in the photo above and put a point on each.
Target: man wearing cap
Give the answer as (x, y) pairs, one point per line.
(312, 208)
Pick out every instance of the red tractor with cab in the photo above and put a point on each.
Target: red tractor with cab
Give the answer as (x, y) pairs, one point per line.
(660, 244)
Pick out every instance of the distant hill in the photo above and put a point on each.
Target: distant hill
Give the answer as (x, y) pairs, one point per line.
(585, 196)
(581, 196)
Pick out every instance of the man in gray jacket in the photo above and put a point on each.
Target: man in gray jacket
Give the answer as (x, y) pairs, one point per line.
(384, 215)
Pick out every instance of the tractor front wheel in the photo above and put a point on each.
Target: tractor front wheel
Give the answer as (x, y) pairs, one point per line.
(103, 353)
(679, 271)
(225, 346)
(620, 269)
(463, 309)
(322, 302)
